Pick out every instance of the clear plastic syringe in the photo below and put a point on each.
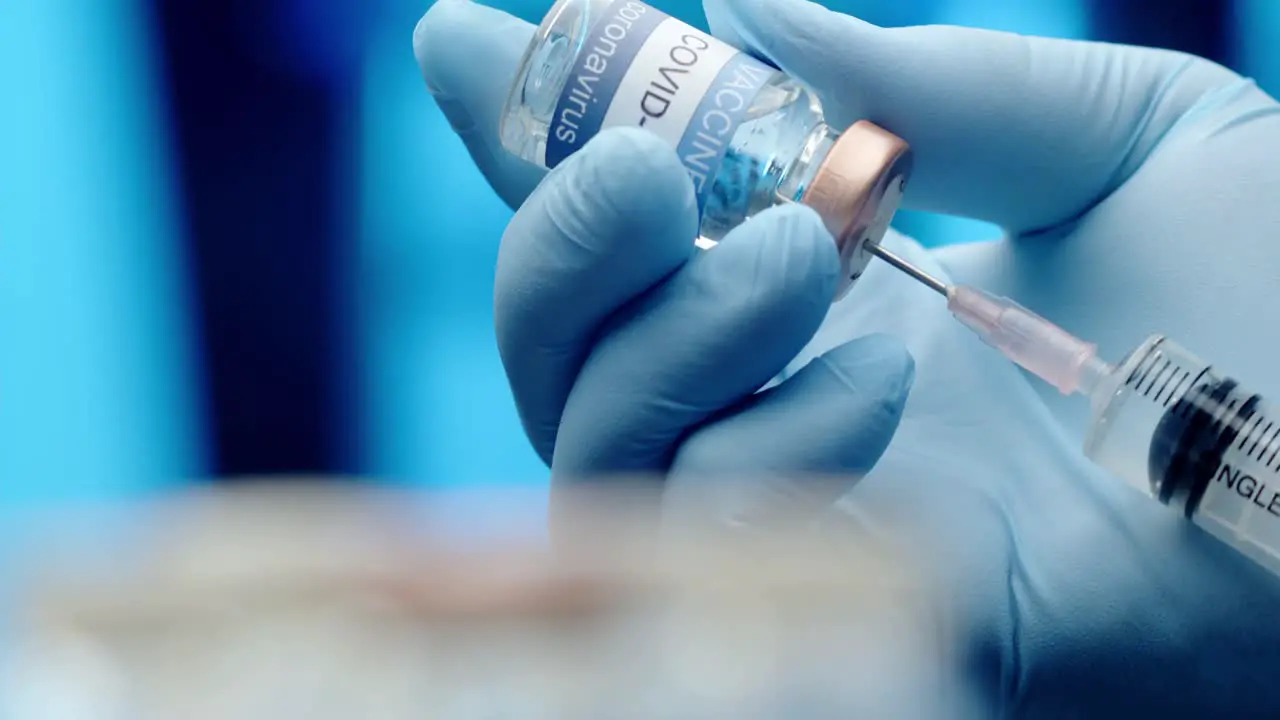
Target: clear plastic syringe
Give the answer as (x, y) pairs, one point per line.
(1163, 420)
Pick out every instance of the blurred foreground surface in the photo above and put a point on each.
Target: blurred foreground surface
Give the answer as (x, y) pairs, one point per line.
(330, 604)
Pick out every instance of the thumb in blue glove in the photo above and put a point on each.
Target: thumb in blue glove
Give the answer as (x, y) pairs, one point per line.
(1006, 129)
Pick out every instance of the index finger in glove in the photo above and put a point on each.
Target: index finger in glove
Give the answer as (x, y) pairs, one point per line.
(607, 225)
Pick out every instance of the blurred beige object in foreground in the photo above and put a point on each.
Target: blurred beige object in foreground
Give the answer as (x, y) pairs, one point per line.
(326, 604)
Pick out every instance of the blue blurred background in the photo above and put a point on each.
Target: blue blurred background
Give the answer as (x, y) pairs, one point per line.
(237, 238)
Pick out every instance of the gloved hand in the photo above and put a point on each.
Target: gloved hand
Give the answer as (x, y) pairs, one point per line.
(1139, 189)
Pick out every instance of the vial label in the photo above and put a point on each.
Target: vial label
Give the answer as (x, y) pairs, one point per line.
(640, 67)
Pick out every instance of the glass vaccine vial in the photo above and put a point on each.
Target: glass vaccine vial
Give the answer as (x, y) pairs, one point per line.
(750, 136)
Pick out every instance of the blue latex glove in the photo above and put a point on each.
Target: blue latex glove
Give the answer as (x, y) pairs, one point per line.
(1140, 189)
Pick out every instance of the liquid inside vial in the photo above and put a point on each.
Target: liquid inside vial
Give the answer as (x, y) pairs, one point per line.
(749, 136)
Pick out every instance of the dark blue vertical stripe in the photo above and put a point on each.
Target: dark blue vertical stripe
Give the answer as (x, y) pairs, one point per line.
(258, 147)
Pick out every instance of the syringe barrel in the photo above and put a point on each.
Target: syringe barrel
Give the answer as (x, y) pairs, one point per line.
(1197, 441)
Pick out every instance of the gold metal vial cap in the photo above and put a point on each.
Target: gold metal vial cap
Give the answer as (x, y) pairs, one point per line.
(857, 191)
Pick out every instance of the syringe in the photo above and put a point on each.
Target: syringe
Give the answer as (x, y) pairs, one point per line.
(1163, 420)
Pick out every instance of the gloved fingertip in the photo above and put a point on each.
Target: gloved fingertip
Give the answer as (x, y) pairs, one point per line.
(876, 366)
(422, 28)
(624, 178)
(431, 33)
(607, 224)
(453, 34)
(468, 54)
(721, 20)
(791, 252)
